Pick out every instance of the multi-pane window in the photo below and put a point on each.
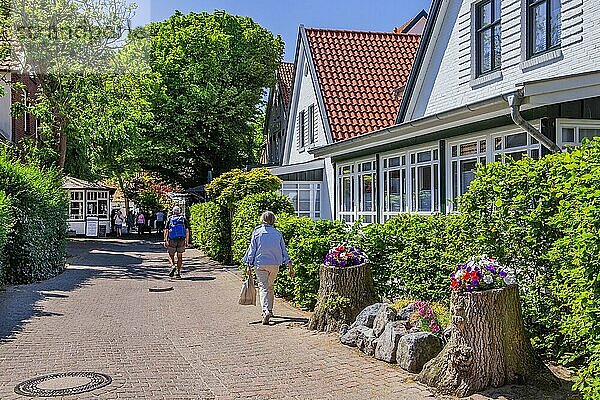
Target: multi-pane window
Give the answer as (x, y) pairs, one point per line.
(395, 199)
(97, 204)
(464, 158)
(367, 178)
(487, 36)
(357, 191)
(306, 197)
(574, 134)
(346, 178)
(515, 146)
(424, 181)
(543, 26)
(76, 205)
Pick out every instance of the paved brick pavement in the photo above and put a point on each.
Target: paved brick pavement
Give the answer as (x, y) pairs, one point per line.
(194, 342)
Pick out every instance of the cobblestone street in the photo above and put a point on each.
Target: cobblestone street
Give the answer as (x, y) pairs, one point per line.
(194, 342)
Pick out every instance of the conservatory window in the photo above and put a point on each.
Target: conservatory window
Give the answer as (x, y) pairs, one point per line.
(306, 198)
(573, 134)
(395, 199)
(424, 181)
(367, 192)
(464, 158)
(515, 146)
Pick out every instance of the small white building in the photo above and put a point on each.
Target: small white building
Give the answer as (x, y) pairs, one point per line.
(89, 207)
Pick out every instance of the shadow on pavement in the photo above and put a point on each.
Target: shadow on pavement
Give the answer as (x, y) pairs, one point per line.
(92, 260)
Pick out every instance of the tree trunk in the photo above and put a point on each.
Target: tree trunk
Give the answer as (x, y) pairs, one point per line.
(487, 347)
(343, 293)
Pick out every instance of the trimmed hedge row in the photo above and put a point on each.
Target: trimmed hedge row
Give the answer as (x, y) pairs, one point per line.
(247, 216)
(307, 242)
(543, 218)
(208, 222)
(36, 245)
(5, 227)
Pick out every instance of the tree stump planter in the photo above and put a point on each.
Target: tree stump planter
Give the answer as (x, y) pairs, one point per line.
(343, 293)
(487, 347)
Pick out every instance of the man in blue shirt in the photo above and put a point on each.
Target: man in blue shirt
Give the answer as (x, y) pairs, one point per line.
(266, 254)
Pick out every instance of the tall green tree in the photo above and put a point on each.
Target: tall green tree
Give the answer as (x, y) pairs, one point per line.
(213, 69)
(62, 45)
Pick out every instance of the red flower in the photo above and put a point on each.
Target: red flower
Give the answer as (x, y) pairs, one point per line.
(455, 283)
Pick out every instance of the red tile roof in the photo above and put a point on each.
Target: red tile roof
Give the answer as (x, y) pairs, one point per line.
(285, 76)
(359, 75)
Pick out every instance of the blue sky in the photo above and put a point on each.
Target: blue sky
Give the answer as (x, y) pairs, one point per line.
(284, 16)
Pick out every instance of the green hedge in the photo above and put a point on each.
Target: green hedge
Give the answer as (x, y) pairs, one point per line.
(208, 222)
(36, 243)
(247, 216)
(5, 227)
(543, 218)
(412, 255)
(307, 243)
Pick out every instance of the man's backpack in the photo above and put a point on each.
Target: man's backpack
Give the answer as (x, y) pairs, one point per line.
(177, 228)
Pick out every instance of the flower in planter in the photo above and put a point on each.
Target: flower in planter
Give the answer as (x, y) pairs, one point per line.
(345, 256)
(480, 274)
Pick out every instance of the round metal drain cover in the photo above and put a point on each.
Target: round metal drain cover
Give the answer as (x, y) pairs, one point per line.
(63, 384)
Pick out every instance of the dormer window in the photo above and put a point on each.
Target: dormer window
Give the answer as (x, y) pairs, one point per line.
(487, 37)
(543, 26)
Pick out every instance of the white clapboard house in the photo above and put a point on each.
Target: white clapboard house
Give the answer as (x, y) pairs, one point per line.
(493, 80)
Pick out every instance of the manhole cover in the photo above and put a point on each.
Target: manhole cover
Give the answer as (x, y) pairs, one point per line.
(63, 384)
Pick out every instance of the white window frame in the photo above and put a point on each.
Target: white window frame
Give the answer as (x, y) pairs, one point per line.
(316, 197)
(100, 195)
(577, 125)
(482, 155)
(386, 170)
(490, 154)
(357, 176)
(414, 164)
(80, 201)
(532, 147)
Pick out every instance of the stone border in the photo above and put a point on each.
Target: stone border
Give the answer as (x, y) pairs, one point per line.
(30, 387)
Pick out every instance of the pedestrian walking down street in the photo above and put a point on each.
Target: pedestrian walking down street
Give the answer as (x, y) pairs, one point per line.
(160, 221)
(119, 223)
(177, 237)
(266, 254)
(141, 223)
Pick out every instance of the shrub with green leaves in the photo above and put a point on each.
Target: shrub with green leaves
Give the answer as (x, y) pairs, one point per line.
(307, 243)
(247, 216)
(233, 186)
(412, 256)
(36, 244)
(543, 219)
(207, 223)
(5, 227)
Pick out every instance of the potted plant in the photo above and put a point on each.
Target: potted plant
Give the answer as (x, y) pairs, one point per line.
(345, 288)
(488, 346)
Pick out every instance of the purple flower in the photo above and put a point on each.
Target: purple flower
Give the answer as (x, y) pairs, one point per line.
(475, 282)
(502, 274)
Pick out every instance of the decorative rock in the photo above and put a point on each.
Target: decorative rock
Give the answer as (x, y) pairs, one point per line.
(385, 315)
(406, 311)
(344, 329)
(416, 349)
(350, 337)
(367, 315)
(366, 341)
(387, 343)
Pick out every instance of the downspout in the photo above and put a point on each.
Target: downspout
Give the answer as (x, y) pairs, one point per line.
(515, 101)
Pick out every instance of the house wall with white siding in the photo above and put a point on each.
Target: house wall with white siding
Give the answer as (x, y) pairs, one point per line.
(449, 81)
(306, 97)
